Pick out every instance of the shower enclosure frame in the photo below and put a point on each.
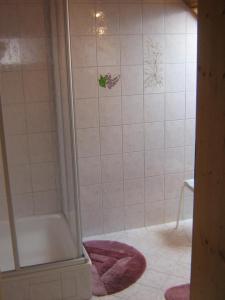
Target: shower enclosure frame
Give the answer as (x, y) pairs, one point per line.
(81, 254)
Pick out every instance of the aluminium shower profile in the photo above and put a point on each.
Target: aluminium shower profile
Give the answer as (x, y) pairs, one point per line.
(11, 215)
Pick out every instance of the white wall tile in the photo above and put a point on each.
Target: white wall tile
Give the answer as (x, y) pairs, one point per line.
(34, 53)
(175, 18)
(154, 213)
(107, 18)
(9, 20)
(112, 194)
(32, 22)
(23, 205)
(174, 162)
(154, 135)
(82, 18)
(154, 162)
(132, 80)
(192, 23)
(154, 188)
(83, 51)
(112, 169)
(190, 132)
(39, 117)
(191, 81)
(21, 179)
(85, 82)
(36, 85)
(189, 158)
(43, 176)
(175, 106)
(133, 165)
(173, 185)
(42, 147)
(153, 18)
(191, 104)
(171, 210)
(12, 87)
(134, 191)
(174, 133)
(89, 170)
(92, 221)
(17, 149)
(111, 140)
(154, 108)
(130, 19)
(87, 114)
(132, 109)
(47, 202)
(108, 50)
(113, 219)
(191, 48)
(131, 50)
(88, 142)
(134, 216)
(175, 77)
(90, 197)
(133, 137)
(110, 111)
(14, 119)
(175, 48)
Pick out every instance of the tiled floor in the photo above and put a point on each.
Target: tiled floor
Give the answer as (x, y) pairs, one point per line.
(168, 255)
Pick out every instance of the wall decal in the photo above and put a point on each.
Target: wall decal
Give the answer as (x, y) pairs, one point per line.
(108, 81)
(153, 59)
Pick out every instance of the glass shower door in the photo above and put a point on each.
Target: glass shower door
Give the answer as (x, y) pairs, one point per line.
(38, 126)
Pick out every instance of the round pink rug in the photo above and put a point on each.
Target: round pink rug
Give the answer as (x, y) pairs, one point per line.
(115, 266)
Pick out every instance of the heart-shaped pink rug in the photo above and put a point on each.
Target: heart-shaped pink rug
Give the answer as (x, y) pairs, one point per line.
(115, 266)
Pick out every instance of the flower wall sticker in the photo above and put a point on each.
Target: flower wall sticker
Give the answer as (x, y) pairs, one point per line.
(108, 81)
(153, 59)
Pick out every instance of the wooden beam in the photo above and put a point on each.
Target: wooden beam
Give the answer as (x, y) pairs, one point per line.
(208, 264)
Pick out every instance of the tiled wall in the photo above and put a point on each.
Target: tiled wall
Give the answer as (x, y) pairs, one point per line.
(28, 107)
(136, 140)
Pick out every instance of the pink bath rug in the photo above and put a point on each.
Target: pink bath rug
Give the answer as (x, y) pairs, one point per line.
(115, 266)
(181, 292)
